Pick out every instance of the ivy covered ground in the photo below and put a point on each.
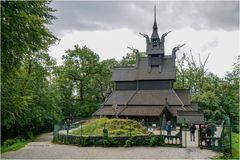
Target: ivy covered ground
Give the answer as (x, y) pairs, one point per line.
(115, 127)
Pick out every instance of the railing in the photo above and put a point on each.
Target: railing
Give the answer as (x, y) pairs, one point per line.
(172, 140)
(219, 141)
(60, 134)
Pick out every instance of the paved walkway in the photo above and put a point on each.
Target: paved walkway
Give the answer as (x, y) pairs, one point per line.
(42, 148)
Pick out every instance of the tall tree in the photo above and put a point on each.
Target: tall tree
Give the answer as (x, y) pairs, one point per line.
(77, 81)
(217, 97)
(24, 38)
(23, 31)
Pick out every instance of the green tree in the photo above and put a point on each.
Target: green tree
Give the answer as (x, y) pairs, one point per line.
(130, 59)
(77, 82)
(217, 97)
(104, 77)
(193, 75)
(24, 38)
(23, 31)
(229, 94)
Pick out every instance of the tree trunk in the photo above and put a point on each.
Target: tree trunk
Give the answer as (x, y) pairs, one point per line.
(81, 90)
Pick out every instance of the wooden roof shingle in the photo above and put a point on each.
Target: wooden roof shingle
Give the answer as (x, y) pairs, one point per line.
(142, 71)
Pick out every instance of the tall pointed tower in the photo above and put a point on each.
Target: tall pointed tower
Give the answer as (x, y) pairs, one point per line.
(155, 50)
(155, 43)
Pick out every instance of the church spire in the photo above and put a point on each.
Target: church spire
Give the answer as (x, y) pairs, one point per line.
(155, 22)
(155, 28)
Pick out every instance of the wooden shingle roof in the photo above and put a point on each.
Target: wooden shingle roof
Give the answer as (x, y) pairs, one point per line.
(190, 117)
(142, 71)
(142, 111)
(108, 111)
(119, 97)
(149, 97)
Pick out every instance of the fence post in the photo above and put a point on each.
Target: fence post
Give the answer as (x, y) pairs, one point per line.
(81, 129)
(223, 137)
(130, 131)
(230, 130)
(160, 125)
(181, 135)
(185, 133)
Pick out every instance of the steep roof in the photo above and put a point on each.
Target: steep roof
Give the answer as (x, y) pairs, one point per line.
(119, 97)
(108, 111)
(184, 95)
(190, 117)
(141, 72)
(155, 97)
(149, 97)
(140, 110)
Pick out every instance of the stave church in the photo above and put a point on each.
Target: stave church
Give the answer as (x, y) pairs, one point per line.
(145, 91)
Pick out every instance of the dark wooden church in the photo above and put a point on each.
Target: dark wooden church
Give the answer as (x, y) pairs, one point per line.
(145, 91)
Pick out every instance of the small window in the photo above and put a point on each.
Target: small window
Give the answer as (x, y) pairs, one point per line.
(155, 43)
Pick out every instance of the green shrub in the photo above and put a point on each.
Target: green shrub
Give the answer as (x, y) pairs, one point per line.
(107, 142)
(153, 141)
(156, 141)
(130, 142)
(83, 141)
(13, 145)
(28, 135)
(9, 142)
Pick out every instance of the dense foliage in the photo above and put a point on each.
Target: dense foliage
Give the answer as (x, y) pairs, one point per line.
(27, 99)
(36, 93)
(216, 97)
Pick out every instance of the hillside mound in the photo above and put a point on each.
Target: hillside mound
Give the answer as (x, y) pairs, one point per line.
(115, 127)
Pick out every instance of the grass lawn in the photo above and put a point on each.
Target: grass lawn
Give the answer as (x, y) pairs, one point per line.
(115, 127)
(235, 145)
(14, 145)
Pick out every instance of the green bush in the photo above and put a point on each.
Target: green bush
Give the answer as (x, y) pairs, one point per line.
(13, 145)
(156, 141)
(130, 142)
(161, 140)
(28, 135)
(9, 142)
(83, 141)
(153, 141)
(107, 142)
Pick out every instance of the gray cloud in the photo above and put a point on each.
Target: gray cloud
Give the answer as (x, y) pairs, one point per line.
(138, 16)
(208, 45)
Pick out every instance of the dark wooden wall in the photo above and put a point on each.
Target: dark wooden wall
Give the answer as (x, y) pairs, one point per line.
(143, 85)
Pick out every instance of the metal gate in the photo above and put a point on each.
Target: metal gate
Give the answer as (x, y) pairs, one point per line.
(216, 136)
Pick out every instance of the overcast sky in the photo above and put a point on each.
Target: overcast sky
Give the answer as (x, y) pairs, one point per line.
(109, 27)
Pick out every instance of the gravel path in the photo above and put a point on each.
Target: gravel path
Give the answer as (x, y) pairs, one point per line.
(42, 148)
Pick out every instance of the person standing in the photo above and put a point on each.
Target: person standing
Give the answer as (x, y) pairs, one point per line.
(169, 128)
(68, 123)
(192, 132)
